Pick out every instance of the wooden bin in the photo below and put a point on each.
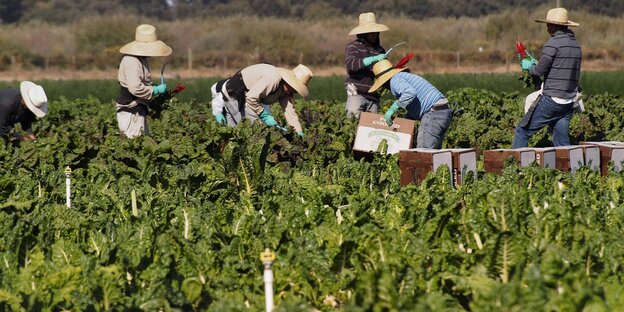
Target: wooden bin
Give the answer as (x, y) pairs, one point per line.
(545, 157)
(494, 160)
(372, 129)
(464, 161)
(609, 151)
(569, 158)
(416, 163)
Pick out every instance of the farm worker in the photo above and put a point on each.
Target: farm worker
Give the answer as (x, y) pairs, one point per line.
(135, 82)
(22, 106)
(560, 65)
(360, 55)
(247, 93)
(421, 99)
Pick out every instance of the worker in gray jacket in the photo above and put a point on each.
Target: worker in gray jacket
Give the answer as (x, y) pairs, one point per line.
(560, 65)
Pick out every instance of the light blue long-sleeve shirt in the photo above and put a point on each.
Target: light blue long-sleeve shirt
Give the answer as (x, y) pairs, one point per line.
(414, 93)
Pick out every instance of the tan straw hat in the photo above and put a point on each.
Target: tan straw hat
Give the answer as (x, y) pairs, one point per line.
(558, 16)
(145, 43)
(383, 70)
(368, 24)
(297, 78)
(34, 97)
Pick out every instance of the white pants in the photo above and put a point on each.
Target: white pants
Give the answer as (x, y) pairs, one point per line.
(132, 122)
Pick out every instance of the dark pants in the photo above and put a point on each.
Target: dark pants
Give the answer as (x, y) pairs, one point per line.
(546, 113)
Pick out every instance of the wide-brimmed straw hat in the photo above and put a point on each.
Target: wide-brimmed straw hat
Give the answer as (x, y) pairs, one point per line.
(146, 43)
(368, 24)
(383, 70)
(297, 78)
(34, 97)
(558, 16)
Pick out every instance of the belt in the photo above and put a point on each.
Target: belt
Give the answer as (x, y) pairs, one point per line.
(439, 107)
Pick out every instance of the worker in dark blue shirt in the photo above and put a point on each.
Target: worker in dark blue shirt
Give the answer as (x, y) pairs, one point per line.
(22, 106)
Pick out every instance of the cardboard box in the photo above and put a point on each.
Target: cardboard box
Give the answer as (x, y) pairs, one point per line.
(464, 161)
(569, 158)
(416, 163)
(545, 157)
(609, 151)
(494, 160)
(591, 153)
(372, 129)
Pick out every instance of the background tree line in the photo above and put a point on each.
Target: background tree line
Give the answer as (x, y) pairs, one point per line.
(63, 11)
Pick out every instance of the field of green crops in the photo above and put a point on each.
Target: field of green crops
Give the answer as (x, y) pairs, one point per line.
(346, 235)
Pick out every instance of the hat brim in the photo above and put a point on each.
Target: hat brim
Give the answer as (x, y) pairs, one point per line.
(569, 23)
(385, 77)
(292, 81)
(25, 86)
(156, 48)
(371, 28)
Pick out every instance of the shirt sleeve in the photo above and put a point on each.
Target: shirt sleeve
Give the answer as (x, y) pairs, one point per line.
(260, 89)
(352, 59)
(288, 106)
(5, 126)
(136, 82)
(402, 90)
(545, 62)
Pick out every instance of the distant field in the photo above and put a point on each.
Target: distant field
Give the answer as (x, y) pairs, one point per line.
(331, 88)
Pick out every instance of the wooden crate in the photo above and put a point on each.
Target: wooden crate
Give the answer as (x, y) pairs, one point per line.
(372, 129)
(416, 163)
(610, 151)
(464, 161)
(545, 157)
(494, 160)
(569, 158)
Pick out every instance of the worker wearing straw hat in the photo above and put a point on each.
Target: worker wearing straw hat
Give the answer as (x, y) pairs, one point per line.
(248, 93)
(360, 55)
(135, 82)
(421, 100)
(22, 106)
(560, 65)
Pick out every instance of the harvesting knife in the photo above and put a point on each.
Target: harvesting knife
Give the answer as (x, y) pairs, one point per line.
(162, 73)
(394, 46)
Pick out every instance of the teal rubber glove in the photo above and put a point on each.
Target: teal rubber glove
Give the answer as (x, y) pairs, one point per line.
(300, 134)
(527, 63)
(159, 89)
(391, 111)
(220, 119)
(369, 60)
(267, 119)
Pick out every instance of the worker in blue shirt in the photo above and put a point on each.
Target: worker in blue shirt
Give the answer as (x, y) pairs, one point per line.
(421, 100)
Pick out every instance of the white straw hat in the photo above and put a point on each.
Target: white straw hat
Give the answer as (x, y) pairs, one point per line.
(368, 24)
(297, 78)
(146, 43)
(558, 16)
(35, 98)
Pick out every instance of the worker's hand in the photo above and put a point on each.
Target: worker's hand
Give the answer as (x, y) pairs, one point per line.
(27, 137)
(300, 134)
(159, 89)
(267, 119)
(369, 60)
(527, 63)
(220, 118)
(391, 111)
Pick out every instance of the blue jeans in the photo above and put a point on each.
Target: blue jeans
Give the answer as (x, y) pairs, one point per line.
(547, 113)
(433, 127)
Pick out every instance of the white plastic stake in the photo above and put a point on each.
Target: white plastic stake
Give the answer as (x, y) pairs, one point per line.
(267, 257)
(68, 173)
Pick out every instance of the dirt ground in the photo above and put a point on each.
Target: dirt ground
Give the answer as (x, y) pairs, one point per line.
(59, 74)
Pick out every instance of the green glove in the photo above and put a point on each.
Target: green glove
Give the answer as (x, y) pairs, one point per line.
(391, 111)
(267, 119)
(527, 63)
(300, 133)
(220, 119)
(159, 89)
(369, 60)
